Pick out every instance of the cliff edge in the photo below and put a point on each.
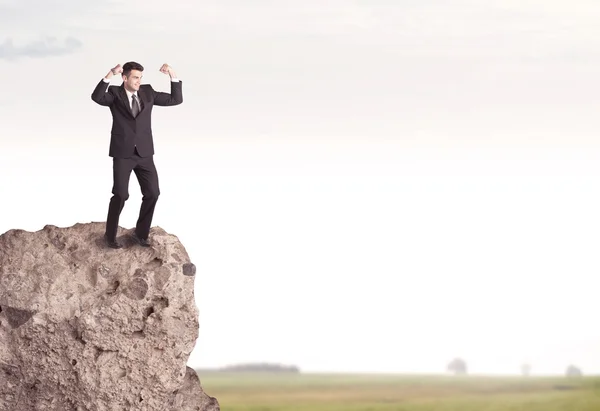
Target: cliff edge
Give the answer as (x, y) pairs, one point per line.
(84, 327)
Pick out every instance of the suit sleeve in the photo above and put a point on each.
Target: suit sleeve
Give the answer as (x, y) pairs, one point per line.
(166, 99)
(101, 95)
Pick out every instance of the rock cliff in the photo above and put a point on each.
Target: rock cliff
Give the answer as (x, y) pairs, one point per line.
(84, 327)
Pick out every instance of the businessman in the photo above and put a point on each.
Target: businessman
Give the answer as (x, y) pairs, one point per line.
(131, 144)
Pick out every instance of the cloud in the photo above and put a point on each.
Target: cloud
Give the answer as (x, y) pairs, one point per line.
(48, 47)
(30, 28)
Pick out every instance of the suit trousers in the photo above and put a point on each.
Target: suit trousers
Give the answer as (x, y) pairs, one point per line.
(145, 170)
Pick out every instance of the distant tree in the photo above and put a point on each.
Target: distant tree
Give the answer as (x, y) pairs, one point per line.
(573, 372)
(458, 366)
(525, 370)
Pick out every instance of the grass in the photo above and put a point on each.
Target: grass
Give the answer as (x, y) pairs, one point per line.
(318, 392)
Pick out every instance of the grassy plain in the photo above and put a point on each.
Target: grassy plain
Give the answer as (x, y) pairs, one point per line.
(340, 392)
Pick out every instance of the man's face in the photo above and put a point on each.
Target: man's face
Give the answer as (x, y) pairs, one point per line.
(132, 82)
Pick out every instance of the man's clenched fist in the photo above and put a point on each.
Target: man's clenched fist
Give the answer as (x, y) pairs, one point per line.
(166, 69)
(117, 69)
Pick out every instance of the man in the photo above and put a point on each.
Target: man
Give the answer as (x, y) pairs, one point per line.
(131, 144)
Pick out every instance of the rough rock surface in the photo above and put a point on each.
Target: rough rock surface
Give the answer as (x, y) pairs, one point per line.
(84, 327)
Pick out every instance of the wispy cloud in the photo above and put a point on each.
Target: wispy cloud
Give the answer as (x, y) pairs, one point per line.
(46, 28)
(47, 47)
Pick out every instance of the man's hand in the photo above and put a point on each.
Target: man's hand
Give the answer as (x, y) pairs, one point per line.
(166, 69)
(116, 69)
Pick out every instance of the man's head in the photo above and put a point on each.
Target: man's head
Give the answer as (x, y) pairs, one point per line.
(132, 75)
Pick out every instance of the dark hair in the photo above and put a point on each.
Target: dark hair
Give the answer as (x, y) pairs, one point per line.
(131, 65)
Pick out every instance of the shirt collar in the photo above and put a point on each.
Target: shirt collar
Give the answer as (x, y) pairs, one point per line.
(129, 93)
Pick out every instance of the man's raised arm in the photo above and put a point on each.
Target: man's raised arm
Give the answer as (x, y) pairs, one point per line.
(100, 94)
(176, 96)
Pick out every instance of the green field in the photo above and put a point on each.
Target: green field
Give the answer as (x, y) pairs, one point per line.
(317, 392)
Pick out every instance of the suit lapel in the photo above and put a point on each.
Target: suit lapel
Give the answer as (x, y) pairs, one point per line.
(125, 99)
(141, 100)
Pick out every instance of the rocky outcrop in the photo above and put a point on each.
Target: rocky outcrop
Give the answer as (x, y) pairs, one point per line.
(84, 327)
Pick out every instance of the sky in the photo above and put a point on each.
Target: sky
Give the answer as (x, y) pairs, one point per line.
(363, 186)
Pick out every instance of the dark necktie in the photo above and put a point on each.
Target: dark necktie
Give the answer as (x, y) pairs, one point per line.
(135, 107)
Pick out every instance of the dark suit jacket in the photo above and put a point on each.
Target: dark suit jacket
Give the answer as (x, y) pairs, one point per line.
(128, 132)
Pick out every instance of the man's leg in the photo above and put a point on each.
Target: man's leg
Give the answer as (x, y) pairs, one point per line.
(148, 179)
(121, 171)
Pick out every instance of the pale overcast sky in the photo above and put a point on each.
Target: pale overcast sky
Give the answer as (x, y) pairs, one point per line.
(363, 186)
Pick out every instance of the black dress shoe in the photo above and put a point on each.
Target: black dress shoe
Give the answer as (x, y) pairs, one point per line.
(112, 243)
(141, 241)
